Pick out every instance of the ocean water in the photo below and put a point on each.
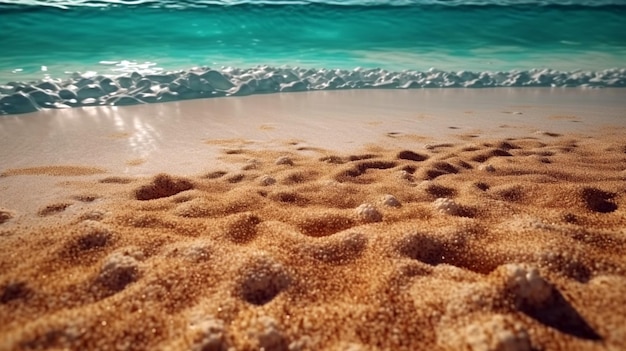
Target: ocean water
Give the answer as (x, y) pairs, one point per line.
(87, 38)
(54, 38)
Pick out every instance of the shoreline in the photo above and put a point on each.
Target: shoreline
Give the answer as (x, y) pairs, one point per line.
(369, 219)
(136, 88)
(173, 129)
(189, 137)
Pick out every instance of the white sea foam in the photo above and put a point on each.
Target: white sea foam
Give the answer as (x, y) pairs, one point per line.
(137, 88)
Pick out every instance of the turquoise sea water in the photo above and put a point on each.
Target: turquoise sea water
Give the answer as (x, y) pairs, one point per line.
(54, 38)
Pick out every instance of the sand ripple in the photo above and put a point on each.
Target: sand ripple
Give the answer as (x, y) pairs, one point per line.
(307, 251)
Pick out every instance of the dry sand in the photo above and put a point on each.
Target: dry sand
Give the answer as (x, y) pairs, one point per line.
(488, 223)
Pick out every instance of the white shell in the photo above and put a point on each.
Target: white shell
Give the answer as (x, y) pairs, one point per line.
(369, 213)
(527, 284)
(447, 206)
(390, 200)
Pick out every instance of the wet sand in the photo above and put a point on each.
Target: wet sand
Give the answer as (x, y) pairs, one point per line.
(419, 220)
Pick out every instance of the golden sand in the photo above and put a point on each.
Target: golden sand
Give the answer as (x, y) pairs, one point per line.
(53, 171)
(465, 244)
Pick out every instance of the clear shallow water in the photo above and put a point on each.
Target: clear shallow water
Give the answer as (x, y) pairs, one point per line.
(70, 53)
(54, 38)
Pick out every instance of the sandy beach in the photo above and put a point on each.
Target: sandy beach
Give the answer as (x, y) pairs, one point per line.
(434, 219)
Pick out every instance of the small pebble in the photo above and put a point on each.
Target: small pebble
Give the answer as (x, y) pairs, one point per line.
(369, 213)
(267, 180)
(390, 200)
(487, 168)
(406, 175)
(284, 160)
(447, 206)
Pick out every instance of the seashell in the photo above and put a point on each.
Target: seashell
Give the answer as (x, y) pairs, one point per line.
(447, 206)
(527, 285)
(369, 213)
(390, 200)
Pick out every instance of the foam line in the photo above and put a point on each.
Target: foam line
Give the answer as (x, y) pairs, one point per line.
(136, 88)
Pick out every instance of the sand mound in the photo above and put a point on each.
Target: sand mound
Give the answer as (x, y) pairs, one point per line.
(5, 215)
(162, 186)
(514, 244)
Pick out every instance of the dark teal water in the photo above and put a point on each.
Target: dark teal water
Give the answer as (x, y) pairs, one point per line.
(114, 37)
